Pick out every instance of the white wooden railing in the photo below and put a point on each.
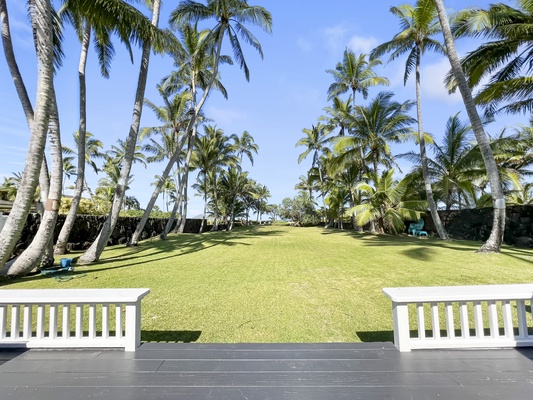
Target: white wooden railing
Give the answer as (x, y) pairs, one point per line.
(462, 316)
(57, 318)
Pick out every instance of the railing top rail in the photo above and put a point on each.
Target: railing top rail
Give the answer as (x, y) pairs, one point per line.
(72, 296)
(460, 293)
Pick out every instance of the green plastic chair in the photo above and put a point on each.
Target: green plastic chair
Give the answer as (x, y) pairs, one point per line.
(414, 227)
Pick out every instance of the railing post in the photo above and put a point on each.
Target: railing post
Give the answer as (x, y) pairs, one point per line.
(400, 317)
(133, 326)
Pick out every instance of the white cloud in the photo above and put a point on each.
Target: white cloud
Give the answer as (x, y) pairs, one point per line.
(334, 37)
(432, 84)
(360, 44)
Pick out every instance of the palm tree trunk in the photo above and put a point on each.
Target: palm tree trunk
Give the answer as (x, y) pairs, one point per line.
(203, 215)
(97, 247)
(495, 239)
(423, 156)
(31, 257)
(62, 240)
(42, 15)
(183, 205)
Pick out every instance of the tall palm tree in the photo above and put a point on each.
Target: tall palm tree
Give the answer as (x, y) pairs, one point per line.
(337, 115)
(504, 60)
(245, 146)
(493, 244)
(316, 142)
(355, 74)
(38, 119)
(175, 117)
(97, 247)
(418, 24)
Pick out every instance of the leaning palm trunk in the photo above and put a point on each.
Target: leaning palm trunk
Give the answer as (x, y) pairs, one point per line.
(62, 240)
(44, 187)
(495, 239)
(423, 156)
(31, 257)
(192, 123)
(181, 226)
(97, 247)
(172, 217)
(42, 15)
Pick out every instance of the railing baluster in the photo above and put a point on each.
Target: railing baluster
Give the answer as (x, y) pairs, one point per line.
(118, 321)
(15, 321)
(105, 321)
(27, 324)
(65, 333)
(522, 321)
(92, 321)
(450, 325)
(52, 322)
(507, 319)
(493, 319)
(465, 323)
(435, 320)
(478, 320)
(40, 321)
(79, 321)
(3, 321)
(421, 321)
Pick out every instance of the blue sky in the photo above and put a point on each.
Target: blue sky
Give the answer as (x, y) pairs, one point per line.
(286, 93)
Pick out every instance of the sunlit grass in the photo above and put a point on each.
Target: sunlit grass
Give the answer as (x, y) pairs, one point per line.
(284, 284)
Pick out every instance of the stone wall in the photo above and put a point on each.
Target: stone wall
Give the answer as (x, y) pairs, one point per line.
(87, 227)
(476, 224)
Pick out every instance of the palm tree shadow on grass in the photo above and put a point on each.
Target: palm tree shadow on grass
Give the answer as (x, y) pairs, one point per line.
(171, 336)
(376, 336)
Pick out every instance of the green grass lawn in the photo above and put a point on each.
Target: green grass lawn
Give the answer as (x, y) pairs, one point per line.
(284, 284)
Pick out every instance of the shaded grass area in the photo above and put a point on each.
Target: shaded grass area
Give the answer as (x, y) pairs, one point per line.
(284, 284)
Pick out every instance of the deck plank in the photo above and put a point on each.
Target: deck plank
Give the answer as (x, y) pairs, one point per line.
(325, 371)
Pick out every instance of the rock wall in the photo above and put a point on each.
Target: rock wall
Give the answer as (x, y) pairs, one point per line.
(87, 227)
(476, 224)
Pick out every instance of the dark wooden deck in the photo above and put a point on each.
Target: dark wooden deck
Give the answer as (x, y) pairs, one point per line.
(265, 371)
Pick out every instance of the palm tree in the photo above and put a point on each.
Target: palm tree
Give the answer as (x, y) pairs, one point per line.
(38, 119)
(355, 74)
(68, 169)
(175, 117)
(337, 115)
(376, 125)
(315, 140)
(505, 60)
(418, 25)
(245, 146)
(387, 203)
(495, 239)
(93, 253)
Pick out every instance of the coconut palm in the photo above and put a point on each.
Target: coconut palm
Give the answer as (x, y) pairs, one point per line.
(387, 203)
(418, 25)
(244, 146)
(316, 142)
(97, 247)
(504, 60)
(496, 236)
(355, 74)
(38, 119)
(337, 115)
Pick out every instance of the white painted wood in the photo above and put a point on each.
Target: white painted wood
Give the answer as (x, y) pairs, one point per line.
(52, 325)
(3, 321)
(65, 333)
(435, 320)
(51, 299)
(40, 321)
(465, 325)
(484, 300)
(27, 322)
(421, 321)
(450, 325)
(400, 317)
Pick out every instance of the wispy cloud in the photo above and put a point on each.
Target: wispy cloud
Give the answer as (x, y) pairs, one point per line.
(433, 82)
(334, 37)
(361, 44)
